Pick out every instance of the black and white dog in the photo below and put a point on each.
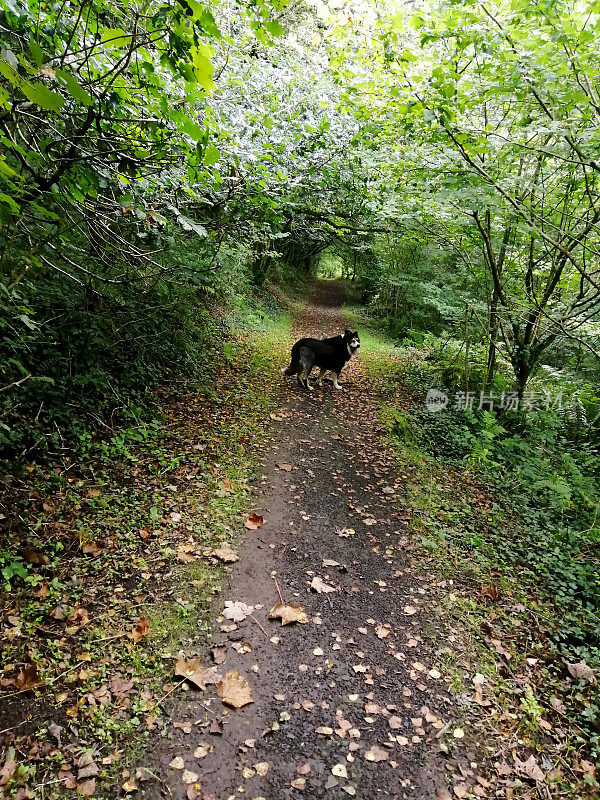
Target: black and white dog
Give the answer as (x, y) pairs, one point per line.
(330, 355)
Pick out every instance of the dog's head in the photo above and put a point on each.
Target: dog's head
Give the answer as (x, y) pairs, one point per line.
(351, 340)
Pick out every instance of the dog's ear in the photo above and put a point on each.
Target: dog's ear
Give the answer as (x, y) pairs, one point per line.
(347, 332)
(355, 334)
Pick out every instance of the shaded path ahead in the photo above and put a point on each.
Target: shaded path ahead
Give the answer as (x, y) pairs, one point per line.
(349, 704)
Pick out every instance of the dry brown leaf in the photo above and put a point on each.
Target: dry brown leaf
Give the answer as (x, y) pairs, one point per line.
(140, 630)
(285, 467)
(177, 763)
(87, 788)
(193, 671)
(234, 690)
(187, 552)
(499, 648)
(8, 770)
(395, 723)
(28, 678)
(376, 754)
(489, 591)
(92, 549)
(444, 794)
(238, 611)
(529, 769)
(226, 553)
(219, 653)
(33, 557)
(189, 776)
(292, 612)
(254, 521)
(581, 671)
(383, 630)
(319, 585)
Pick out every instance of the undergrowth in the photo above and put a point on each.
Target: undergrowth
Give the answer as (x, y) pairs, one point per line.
(107, 560)
(509, 503)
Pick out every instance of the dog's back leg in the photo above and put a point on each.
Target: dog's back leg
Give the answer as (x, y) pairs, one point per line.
(306, 365)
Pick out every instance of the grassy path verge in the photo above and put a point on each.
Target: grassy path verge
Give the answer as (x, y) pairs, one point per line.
(109, 570)
(503, 629)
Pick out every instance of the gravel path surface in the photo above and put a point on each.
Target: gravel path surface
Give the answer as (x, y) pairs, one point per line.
(349, 703)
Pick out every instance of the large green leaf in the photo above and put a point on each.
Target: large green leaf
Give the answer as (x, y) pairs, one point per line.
(39, 94)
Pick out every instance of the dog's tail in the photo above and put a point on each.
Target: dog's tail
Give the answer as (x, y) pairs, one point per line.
(293, 369)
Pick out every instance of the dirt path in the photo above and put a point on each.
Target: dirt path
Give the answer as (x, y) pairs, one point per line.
(361, 670)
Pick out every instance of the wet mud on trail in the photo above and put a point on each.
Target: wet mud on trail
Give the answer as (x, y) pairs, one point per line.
(350, 703)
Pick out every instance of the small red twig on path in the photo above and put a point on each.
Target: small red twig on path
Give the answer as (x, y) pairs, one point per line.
(278, 590)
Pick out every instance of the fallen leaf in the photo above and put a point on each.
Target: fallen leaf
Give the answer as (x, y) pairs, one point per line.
(87, 788)
(319, 585)
(529, 769)
(285, 467)
(340, 771)
(395, 723)
(177, 763)
(142, 629)
(129, 786)
(489, 591)
(189, 776)
(262, 768)
(324, 730)
(292, 612)
(444, 794)
(219, 653)
(303, 768)
(376, 754)
(92, 549)
(254, 521)
(298, 783)
(383, 631)
(187, 552)
(581, 671)
(28, 678)
(33, 557)
(237, 611)
(8, 770)
(216, 727)
(234, 690)
(193, 671)
(226, 553)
